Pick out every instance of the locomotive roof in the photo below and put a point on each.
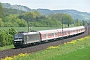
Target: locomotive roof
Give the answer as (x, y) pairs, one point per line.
(28, 33)
(54, 30)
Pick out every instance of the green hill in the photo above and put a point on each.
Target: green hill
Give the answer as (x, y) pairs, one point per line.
(74, 13)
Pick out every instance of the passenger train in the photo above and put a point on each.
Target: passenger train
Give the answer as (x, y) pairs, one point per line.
(25, 38)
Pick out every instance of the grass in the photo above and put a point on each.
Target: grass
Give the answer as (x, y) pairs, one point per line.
(82, 54)
(26, 28)
(74, 50)
(6, 47)
(33, 28)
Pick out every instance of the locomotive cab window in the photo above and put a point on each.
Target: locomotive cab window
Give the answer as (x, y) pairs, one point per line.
(18, 37)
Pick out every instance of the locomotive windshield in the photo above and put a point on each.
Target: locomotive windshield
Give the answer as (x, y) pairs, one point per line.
(17, 37)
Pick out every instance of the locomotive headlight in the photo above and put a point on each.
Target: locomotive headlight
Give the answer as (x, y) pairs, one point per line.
(14, 42)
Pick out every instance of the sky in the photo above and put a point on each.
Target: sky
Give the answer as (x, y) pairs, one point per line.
(80, 5)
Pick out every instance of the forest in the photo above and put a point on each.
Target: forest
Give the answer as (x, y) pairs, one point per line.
(17, 18)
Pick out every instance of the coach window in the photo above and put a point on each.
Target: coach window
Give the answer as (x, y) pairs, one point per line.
(50, 34)
(44, 35)
(60, 33)
(56, 33)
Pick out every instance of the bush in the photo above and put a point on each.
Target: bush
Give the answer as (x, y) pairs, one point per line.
(6, 37)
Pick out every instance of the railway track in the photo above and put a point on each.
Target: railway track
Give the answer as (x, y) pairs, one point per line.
(13, 51)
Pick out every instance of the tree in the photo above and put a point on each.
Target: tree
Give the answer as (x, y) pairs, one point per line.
(29, 16)
(67, 19)
(1, 11)
(37, 13)
(1, 22)
(12, 31)
(21, 22)
(57, 16)
(78, 23)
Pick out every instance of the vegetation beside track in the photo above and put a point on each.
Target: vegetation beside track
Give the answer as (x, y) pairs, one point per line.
(6, 47)
(7, 37)
(76, 50)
